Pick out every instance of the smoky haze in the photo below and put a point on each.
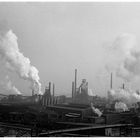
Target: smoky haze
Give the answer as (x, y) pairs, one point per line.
(92, 37)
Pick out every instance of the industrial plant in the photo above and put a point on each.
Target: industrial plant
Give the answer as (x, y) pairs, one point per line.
(80, 115)
(75, 82)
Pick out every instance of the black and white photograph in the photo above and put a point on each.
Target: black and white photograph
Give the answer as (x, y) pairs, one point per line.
(69, 69)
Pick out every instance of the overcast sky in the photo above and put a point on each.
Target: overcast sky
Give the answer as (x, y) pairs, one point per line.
(59, 37)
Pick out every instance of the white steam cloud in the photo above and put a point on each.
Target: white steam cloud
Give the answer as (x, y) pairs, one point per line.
(121, 107)
(125, 62)
(8, 86)
(96, 110)
(125, 57)
(126, 96)
(15, 61)
(90, 92)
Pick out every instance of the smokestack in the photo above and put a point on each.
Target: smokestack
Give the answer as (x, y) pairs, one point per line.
(32, 92)
(87, 88)
(50, 88)
(72, 90)
(123, 86)
(111, 81)
(75, 81)
(53, 89)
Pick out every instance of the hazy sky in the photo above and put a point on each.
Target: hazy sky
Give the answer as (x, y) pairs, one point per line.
(59, 37)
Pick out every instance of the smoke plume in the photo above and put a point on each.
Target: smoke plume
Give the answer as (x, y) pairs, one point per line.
(121, 107)
(90, 92)
(8, 86)
(96, 110)
(126, 96)
(15, 61)
(125, 57)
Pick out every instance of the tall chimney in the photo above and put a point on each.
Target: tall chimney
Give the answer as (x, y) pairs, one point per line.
(72, 90)
(75, 81)
(50, 88)
(123, 86)
(111, 81)
(53, 89)
(87, 88)
(32, 92)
